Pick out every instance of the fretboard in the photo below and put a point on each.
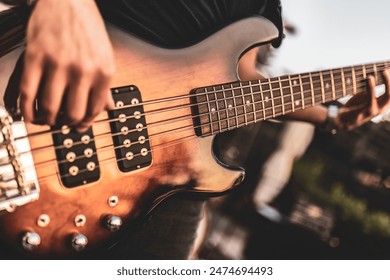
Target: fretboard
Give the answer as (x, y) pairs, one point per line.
(223, 107)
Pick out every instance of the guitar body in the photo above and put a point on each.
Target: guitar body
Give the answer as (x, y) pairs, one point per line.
(181, 166)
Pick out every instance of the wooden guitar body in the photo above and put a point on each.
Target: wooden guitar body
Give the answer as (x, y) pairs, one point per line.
(61, 212)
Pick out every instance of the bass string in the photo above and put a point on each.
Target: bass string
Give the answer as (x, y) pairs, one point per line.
(186, 96)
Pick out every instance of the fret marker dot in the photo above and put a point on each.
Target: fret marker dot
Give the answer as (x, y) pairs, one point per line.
(348, 81)
(230, 106)
(297, 102)
(248, 103)
(266, 99)
(327, 85)
(295, 82)
(213, 110)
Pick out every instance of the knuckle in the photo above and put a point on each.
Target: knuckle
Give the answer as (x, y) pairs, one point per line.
(74, 116)
(374, 110)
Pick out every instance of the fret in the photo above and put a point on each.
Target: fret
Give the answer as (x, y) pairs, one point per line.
(247, 101)
(354, 80)
(312, 89)
(221, 107)
(343, 82)
(338, 83)
(333, 87)
(217, 109)
(286, 94)
(281, 95)
(306, 86)
(226, 108)
(238, 104)
(291, 93)
(269, 98)
(322, 87)
(276, 96)
(297, 93)
(230, 105)
(262, 99)
(258, 100)
(302, 94)
(361, 75)
(376, 73)
(244, 105)
(364, 71)
(204, 126)
(317, 88)
(347, 79)
(253, 102)
(212, 111)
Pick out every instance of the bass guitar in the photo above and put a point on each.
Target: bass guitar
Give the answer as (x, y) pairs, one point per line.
(62, 192)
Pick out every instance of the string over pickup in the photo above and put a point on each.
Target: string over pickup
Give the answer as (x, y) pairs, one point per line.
(129, 129)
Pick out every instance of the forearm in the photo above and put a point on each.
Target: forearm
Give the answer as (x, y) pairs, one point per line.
(13, 2)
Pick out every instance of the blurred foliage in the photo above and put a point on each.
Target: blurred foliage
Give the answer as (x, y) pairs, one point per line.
(310, 177)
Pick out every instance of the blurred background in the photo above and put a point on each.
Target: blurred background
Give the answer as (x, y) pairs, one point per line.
(309, 194)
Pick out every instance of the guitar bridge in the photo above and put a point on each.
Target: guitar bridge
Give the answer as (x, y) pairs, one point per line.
(18, 180)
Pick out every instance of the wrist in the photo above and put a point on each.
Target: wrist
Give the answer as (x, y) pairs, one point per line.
(330, 125)
(31, 2)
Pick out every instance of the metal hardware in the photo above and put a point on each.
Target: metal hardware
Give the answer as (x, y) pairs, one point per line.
(80, 220)
(31, 241)
(113, 201)
(43, 220)
(113, 223)
(79, 241)
(18, 180)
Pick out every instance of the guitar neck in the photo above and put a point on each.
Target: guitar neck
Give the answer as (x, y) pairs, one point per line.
(233, 105)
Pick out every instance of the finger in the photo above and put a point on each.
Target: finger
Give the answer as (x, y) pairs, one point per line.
(77, 100)
(384, 100)
(31, 77)
(99, 99)
(373, 110)
(49, 100)
(12, 92)
(110, 102)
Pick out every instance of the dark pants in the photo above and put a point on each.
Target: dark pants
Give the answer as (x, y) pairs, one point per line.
(168, 233)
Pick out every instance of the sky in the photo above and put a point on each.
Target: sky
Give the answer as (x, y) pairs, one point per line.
(333, 33)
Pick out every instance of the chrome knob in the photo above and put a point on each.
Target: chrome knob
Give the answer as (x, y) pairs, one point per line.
(79, 242)
(31, 241)
(113, 223)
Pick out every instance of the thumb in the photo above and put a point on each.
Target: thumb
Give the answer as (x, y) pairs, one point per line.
(11, 94)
